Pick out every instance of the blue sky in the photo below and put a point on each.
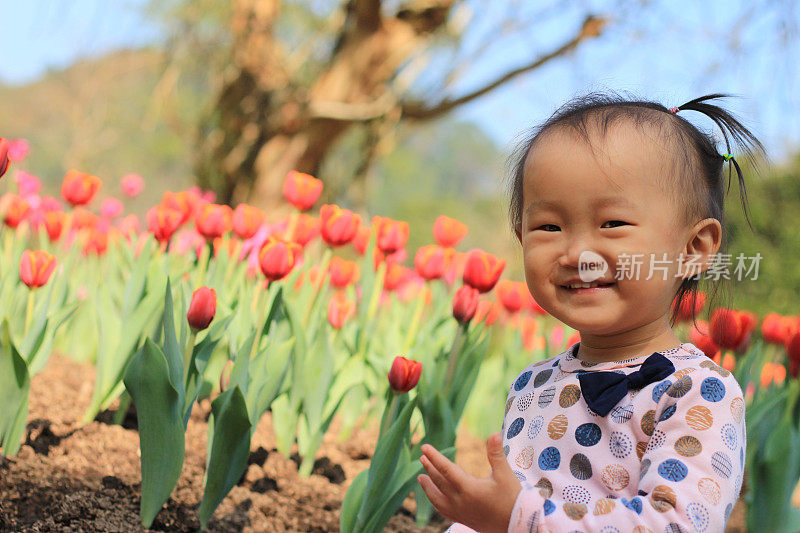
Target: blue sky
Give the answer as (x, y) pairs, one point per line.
(680, 56)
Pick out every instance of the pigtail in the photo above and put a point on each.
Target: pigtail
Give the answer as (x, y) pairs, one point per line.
(730, 127)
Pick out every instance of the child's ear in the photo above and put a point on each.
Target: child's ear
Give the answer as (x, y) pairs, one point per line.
(704, 241)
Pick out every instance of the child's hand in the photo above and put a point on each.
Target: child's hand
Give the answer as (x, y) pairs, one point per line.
(484, 504)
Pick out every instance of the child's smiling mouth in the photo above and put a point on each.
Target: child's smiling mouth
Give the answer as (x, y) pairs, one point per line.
(594, 288)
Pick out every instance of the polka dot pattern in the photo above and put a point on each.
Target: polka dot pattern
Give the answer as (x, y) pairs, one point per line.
(669, 457)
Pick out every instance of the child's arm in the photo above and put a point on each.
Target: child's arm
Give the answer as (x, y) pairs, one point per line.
(691, 472)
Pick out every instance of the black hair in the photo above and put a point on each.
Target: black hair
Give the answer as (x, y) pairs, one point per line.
(692, 152)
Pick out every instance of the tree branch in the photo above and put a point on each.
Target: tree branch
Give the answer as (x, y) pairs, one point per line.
(353, 112)
(592, 27)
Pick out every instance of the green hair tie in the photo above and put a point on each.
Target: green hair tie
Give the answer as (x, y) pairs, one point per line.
(727, 157)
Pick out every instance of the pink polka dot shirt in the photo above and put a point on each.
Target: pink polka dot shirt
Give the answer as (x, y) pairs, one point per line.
(667, 458)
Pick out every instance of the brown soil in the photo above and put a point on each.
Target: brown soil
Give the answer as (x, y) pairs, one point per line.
(69, 477)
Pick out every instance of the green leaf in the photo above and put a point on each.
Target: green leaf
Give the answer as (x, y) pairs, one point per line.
(172, 350)
(352, 502)
(161, 430)
(14, 389)
(229, 451)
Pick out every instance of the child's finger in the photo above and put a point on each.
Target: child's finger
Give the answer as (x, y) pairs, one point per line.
(451, 471)
(438, 479)
(436, 497)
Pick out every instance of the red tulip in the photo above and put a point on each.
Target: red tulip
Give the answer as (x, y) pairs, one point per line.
(54, 224)
(3, 156)
(78, 188)
(529, 327)
(301, 190)
(343, 272)
(513, 295)
(404, 374)
(535, 307)
(430, 261)
(35, 268)
(700, 337)
(338, 226)
(163, 221)
(340, 309)
(277, 258)
(776, 328)
(691, 305)
(465, 303)
(482, 270)
(83, 218)
(448, 232)
(731, 328)
(18, 210)
(392, 235)
(202, 308)
(793, 352)
(246, 220)
(213, 220)
(131, 185)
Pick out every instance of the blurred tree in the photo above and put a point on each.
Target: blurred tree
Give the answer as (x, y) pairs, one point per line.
(298, 76)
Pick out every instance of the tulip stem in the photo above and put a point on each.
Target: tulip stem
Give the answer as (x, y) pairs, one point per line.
(415, 319)
(204, 259)
(29, 311)
(451, 364)
(232, 261)
(323, 271)
(389, 414)
(377, 288)
(289, 235)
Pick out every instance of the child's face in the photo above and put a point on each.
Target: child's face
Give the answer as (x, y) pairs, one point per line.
(562, 171)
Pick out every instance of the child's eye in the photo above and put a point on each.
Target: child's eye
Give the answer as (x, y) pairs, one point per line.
(547, 226)
(617, 221)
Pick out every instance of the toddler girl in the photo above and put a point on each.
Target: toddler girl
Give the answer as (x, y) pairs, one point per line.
(629, 429)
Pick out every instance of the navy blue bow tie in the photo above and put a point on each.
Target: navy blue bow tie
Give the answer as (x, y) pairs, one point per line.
(603, 390)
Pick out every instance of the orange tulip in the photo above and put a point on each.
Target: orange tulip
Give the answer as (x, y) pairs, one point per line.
(213, 220)
(766, 375)
(726, 360)
(18, 210)
(482, 270)
(163, 221)
(305, 229)
(78, 188)
(277, 258)
(392, 235)
(182, 202)
(343, 272)
(529, 327)
(396, 276)
(430, 261)
(97, 242)
(246, 220)
(489, 311)
(404, 374)
(338, 226)
(54, 224)
(301, 190)
(465, 304)
(361, 241)
(3, 156)
(448, 232)
(778, 373)
(36, 267)
(340, 309)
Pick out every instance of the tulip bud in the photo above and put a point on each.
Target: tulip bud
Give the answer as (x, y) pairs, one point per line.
(430, 261)
(202, 308)
(340, 309)
(213, 221)
(404, 374)
(131, 185)
(465, 303)
(338, 226)
(392, 235)
(225, 376)
(35, 268)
